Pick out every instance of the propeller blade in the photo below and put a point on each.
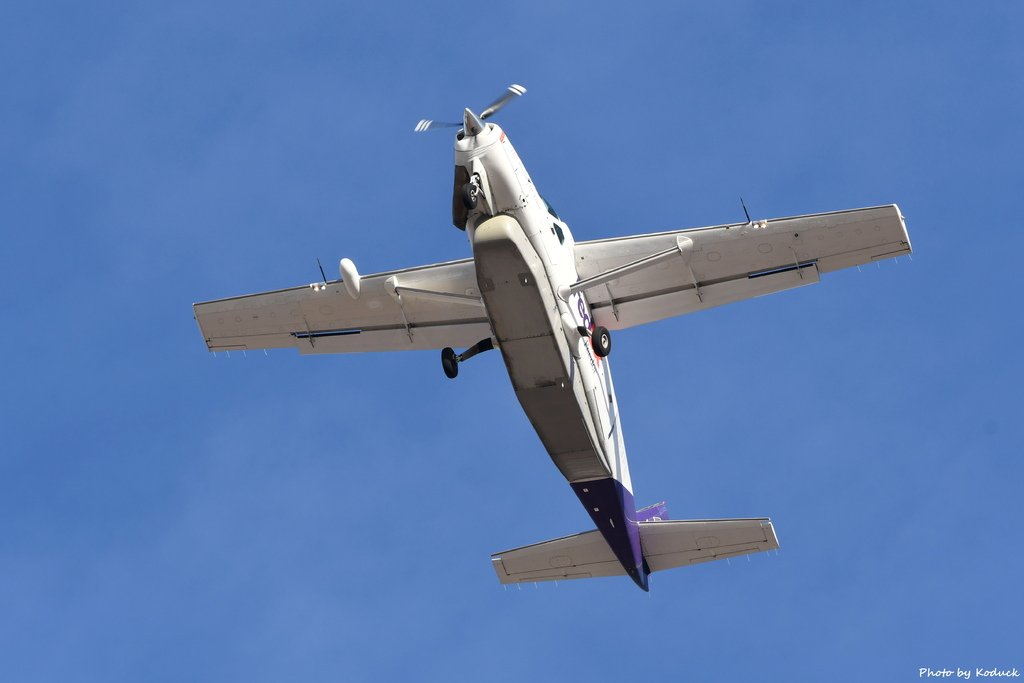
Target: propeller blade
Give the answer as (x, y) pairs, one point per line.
(511, 92)
(427, 124)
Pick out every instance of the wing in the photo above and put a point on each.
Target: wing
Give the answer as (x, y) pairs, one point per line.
(672, 273)
(429, 307)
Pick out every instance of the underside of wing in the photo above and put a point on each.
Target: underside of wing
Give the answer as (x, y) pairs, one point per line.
(418, 308)
(673, 273)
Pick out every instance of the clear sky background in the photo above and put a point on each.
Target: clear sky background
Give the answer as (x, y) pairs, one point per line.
(166, 515)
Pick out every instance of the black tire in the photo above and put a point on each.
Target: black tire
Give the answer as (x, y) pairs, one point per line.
(450, 363)
(602, 340)
(469, 196)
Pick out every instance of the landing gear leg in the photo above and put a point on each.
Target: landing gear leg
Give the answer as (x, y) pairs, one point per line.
(450, 361)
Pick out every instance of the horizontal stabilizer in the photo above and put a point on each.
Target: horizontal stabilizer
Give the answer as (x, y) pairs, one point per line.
(666, 544)
(580, 556)
(677, 544)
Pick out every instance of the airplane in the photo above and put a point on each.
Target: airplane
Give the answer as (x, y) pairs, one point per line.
(549, 304)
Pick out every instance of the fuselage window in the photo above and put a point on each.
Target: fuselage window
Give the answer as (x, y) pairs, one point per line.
(557, 229)
(551, 210)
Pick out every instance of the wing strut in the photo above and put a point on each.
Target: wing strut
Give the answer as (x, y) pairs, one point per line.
(391, 285)
(683, 248)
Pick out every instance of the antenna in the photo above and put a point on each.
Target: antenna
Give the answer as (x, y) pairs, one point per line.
(746, 213)
(316, 286)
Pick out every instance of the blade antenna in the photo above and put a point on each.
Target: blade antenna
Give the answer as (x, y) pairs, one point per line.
(745, 212)
(322, 274)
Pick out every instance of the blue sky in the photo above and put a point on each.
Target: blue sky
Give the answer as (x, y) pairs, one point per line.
(168, 515)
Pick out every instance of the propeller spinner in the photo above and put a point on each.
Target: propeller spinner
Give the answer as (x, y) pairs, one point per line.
(472, 123)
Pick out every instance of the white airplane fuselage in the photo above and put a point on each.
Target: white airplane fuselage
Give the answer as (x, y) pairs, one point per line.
(524, 256)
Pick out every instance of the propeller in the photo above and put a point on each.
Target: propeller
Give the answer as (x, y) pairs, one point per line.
(511, 92)
(427, 124)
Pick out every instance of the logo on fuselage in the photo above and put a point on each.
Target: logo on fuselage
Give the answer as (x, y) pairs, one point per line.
(583, 309)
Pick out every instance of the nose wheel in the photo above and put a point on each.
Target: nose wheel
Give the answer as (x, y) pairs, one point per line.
(469, 194)
(450, 360)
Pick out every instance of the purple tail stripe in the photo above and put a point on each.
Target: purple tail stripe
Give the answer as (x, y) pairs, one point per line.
(611, 507)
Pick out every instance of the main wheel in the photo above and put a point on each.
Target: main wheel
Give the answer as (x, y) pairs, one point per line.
(469, 193)
(450, 363)
(602, 340)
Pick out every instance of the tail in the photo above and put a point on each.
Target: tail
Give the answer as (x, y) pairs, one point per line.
(666, 544)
